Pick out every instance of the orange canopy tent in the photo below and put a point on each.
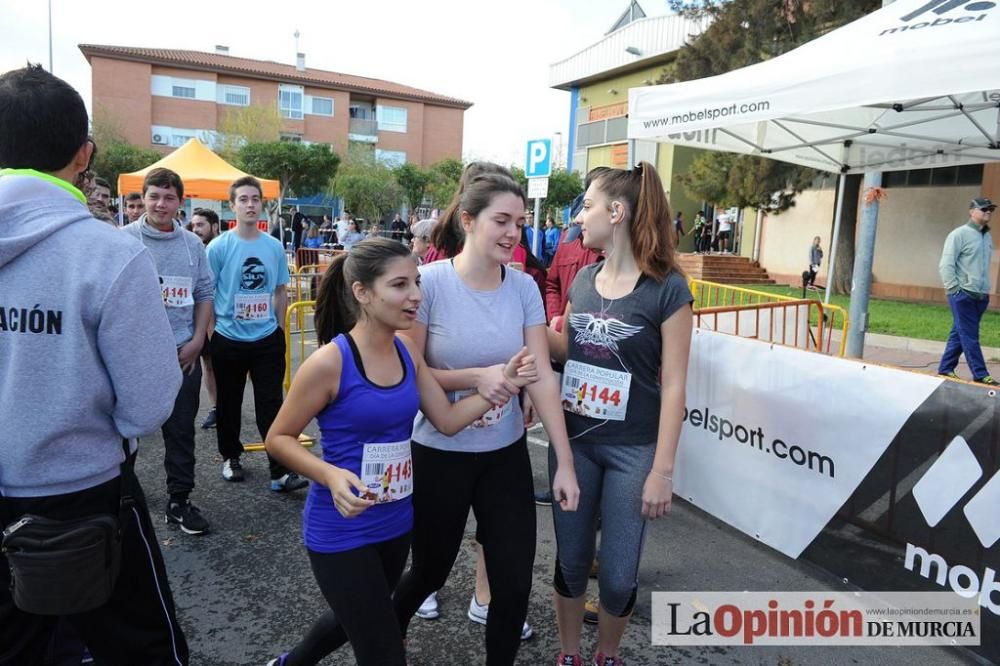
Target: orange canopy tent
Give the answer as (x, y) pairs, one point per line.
(205, 174)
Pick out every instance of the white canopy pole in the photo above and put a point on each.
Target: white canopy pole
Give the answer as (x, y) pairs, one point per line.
(837, 215)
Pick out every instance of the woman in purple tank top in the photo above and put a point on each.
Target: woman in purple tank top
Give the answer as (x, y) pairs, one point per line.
(364, 389)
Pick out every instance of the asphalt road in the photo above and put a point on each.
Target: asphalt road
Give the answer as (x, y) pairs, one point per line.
(245, 592)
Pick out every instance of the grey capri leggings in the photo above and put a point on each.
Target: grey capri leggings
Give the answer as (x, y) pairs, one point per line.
(611, 478)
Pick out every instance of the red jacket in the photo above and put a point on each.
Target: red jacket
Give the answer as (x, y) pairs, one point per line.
(569, 259)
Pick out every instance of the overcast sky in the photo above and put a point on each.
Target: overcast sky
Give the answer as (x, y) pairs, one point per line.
(494, 54)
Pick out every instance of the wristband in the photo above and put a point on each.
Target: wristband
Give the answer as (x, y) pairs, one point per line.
(662, 476)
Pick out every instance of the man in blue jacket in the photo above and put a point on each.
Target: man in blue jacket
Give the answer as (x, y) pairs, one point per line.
(965, 273)
(74, 382)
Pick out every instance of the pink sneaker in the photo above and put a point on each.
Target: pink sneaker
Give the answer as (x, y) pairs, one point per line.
(569, 660)
(601, 660)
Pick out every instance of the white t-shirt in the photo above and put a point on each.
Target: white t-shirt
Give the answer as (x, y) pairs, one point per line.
(725, 222)
(341, 228)
(468, 328)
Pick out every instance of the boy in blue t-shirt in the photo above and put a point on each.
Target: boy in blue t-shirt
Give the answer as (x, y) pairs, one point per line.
(250, 303)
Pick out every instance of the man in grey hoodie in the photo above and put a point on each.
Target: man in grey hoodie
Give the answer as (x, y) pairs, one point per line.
(76, 296)
(187, 289)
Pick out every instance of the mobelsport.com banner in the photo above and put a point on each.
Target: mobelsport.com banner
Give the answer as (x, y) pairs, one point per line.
(776, 439)
(888, 479)
(814, 618)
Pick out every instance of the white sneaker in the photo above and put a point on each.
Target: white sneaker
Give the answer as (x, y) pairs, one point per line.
(429, 609)
(479, 612)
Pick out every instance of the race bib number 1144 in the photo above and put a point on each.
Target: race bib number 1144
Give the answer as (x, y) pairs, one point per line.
(596, 392)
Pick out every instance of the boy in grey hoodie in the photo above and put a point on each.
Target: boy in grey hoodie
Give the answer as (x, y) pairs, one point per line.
(77, 298)
(187, 288)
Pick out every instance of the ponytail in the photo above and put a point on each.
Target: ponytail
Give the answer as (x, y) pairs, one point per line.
(333, 316)
(651, 233)
(650, 229)
(448, 236)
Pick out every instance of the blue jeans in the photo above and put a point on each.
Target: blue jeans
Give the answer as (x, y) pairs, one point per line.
(966, 312)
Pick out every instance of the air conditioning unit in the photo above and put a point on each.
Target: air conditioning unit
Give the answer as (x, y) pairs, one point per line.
(159, 139)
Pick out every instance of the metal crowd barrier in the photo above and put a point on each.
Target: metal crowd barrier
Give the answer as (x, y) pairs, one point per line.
(298, 325)
(758, 314)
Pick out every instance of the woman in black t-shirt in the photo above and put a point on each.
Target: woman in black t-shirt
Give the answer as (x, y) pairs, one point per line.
(625, 346)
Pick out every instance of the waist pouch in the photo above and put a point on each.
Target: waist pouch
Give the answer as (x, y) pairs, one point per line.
(62, 567)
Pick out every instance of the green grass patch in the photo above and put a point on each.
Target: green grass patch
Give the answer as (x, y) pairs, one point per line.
(909, 320)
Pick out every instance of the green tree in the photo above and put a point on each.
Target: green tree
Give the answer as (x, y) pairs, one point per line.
(239, 126)
(445, 176)
(302, 170)
(414, 182)
(115, 155)
(742, 181)
(564, 186)
(114, 159)
(743, 33)
(367, 186)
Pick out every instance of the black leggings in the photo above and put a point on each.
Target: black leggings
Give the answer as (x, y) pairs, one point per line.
(358, 585)
(497, 485)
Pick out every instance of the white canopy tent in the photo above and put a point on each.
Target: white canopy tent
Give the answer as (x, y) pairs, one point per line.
(913, 85)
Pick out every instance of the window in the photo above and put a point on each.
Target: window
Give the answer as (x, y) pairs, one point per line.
(321, 106)
(291, 138)
(591, 134)
(391, 118)
(234, 95)
(290, 100)
(182, 88)
(360, 112)
(968, 174)
(178, 140)
(390, 158)
(617, 129)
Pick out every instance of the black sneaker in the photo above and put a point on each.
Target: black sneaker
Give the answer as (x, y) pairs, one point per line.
(288, 483)
(591, 611)
(232, 470)
(187, 516)
(544, 498)
(210, 420)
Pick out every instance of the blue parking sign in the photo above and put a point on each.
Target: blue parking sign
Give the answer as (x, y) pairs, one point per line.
(539, 160)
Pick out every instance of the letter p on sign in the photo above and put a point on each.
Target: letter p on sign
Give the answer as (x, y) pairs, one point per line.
(539, 162)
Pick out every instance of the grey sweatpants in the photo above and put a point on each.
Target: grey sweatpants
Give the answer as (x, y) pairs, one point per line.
(611, 478)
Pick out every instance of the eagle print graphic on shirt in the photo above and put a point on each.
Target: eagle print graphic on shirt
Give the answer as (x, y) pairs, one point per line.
(599, 336)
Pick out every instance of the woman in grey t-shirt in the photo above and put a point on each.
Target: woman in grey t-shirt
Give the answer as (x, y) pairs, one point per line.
(473, 310)
(625, 346)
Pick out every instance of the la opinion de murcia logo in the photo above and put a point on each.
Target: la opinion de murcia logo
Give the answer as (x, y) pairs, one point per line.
(937, 13)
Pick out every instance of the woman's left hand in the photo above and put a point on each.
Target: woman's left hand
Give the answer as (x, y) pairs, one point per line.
(565, 490)
(657, 495)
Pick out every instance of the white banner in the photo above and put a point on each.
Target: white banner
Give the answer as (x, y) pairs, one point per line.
(776, 439)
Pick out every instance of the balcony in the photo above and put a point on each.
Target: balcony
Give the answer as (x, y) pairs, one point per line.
(363, 129)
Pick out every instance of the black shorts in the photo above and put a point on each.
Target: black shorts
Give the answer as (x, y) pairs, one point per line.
(724, 235)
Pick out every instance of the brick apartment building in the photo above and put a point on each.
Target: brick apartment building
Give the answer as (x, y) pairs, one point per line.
(163, 97)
